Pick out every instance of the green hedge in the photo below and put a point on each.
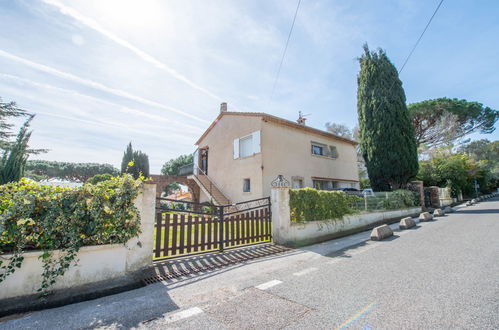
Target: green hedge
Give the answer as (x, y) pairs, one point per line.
(42, 217)
(308, 204)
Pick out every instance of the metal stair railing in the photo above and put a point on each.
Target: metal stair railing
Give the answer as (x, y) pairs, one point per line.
(212, 184)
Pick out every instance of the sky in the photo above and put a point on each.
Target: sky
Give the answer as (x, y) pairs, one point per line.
(101, 73)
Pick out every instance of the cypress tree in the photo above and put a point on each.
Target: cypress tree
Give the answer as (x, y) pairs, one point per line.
(127, 158)
(387, 139)
(140, 162)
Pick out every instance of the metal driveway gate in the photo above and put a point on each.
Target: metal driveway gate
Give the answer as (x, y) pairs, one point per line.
(185, 228)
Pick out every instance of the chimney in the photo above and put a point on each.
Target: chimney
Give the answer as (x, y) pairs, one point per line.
(301, 119)
(223, 107)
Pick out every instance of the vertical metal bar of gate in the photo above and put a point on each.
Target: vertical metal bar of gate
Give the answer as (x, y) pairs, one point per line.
(221, 228)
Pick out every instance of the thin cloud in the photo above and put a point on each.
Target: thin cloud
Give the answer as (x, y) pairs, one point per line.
(95, 85)
(66, 10)
(96, 99)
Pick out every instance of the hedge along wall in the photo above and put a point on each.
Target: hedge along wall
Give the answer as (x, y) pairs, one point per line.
(308, 204)
(47, 218)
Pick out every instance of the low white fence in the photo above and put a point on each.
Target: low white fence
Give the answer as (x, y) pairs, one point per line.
(288, 233)
(95, 263)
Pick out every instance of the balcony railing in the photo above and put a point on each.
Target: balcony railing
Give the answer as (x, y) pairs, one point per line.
(186, 170)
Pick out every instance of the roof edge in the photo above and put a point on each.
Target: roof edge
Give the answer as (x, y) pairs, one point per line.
(275, 120)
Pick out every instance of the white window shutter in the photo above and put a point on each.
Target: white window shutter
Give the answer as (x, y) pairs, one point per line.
(256, 142)
(236, 148)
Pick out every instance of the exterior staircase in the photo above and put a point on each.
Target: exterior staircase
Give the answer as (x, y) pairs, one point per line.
(209, 188)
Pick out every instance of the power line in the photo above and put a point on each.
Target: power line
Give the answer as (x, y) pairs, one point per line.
(421, 36)
(412, 51)
(285, 49)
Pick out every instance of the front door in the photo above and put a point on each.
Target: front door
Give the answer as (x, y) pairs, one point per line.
(203, 160)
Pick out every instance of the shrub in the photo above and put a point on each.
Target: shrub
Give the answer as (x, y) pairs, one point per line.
(41, 217)
(308, 204)
(99, 178)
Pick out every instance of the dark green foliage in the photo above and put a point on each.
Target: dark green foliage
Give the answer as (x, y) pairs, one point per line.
(80, 172)
(127, 158)
(308, 204)
(457, 171)
(14, 158)
(172, 166)
(443, 121)
(8, 110)
(386, 134)
(135, 162)
(47, 218)
(482, 150)
(99, 178)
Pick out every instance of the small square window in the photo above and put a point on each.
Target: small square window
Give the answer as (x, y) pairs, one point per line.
(246, 185)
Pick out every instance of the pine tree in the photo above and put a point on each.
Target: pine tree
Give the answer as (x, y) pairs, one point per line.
(387, 138)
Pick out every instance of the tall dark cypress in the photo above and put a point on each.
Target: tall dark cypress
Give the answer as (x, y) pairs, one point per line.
(127, 158)
(140, 162)
(387, 140)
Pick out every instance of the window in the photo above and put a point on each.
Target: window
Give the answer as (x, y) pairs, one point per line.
(246, 146)
(297, 183)
(317, 150)
(246, 185)
(333, 152)
(325, 184)
(324, 150)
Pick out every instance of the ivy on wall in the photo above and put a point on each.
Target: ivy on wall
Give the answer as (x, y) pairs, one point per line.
(308, 204)
(48, 218)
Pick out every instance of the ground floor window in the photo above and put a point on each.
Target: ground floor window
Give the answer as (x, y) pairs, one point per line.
(325, 184)
(246, 185)
(297, 183)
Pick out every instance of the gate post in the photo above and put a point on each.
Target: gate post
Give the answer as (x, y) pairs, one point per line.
(281, 217)
(221, 228)
(140, 248)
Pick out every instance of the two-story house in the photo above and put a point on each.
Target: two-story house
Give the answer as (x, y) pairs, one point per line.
(240, 153)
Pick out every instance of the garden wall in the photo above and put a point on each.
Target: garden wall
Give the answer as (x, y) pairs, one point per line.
(299, 234)
(95, 263)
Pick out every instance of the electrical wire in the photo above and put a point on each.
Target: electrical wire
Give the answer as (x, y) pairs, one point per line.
(285, 49)
(421, 36)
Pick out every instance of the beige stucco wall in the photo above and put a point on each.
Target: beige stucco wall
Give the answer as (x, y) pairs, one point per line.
(284, 150)
(225, 171)
(287, 151)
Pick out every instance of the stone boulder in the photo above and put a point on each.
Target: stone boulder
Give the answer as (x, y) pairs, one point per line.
(381, 232)
(406, 223)
(438, 213)
(448, 209)
(425, 216)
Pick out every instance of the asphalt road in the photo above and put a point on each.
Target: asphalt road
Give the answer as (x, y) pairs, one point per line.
(443, 274)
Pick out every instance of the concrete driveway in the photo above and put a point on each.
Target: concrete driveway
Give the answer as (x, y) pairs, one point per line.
(443, 274)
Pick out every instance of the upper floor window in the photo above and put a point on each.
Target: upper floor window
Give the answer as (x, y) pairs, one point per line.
(247, 145)
(324, 150)
(317, 150)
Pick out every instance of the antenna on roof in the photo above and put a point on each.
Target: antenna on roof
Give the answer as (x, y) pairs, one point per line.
(301, 118)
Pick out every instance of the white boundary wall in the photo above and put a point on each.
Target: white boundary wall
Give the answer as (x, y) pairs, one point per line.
(298, 234)
(95, 263)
